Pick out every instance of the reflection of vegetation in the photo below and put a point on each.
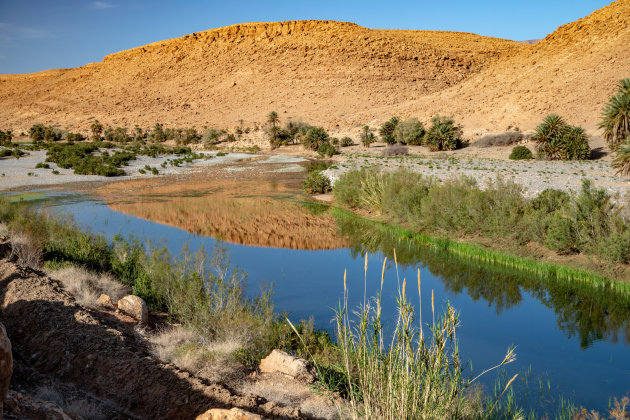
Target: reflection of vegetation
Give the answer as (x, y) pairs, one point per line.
(589, 312)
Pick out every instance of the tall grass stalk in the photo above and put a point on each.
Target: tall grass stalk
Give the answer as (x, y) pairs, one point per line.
(403, 374)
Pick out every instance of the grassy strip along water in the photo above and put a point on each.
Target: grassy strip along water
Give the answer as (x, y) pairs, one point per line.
(468, 251)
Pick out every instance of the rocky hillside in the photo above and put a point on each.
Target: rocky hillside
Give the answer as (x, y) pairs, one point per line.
(320, 71)
(336, 74)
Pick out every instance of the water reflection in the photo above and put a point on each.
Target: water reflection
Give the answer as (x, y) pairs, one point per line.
(251, 210)
(589, 313)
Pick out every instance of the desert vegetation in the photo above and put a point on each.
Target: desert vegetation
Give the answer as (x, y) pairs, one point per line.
(588, 222)
(521, 153)
(558, 140)
(615, 124)
(504, 139)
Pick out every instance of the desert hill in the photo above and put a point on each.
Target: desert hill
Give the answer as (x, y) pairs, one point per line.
(572, 72)
(318, 70)
(336, 74)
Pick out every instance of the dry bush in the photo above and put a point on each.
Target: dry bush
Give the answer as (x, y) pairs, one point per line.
(86, 286)
(189, 351)
(395, 150)
(505, 139)
(4, 229)
(27, 249)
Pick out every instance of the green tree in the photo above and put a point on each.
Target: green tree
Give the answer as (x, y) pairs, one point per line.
(410, 131)
(444, 134)
(621, 162)
(616, 116)
(97, 129)
(558, 140)
(367, 136)
(314, 138)
(387, 130)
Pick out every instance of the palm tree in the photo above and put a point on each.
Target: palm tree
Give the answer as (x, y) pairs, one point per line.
(443, 134)
(548, 135)
(616, 116)
(622, 159)
(367, 137)
(273, 119)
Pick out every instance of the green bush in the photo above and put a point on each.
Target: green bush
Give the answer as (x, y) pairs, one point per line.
(5, 137)
(410, 131)
(96, 128)
(72, 137)
(387, 130)
(346, 142)
(443, 134)
(327, 149)
(316, 183)
(42, 166)
(559, 141)
(40, 132)
(521, 153)
(587, 222)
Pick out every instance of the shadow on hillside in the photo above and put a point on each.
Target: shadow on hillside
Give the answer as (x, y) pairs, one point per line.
(101, 355)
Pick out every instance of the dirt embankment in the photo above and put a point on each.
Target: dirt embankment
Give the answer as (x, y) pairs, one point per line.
(100, 357)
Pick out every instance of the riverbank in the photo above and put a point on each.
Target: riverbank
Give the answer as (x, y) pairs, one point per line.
(549, 232)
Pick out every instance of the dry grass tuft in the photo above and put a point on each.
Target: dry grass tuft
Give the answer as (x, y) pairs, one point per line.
(29, 251)
(189, 351)
(86, 286)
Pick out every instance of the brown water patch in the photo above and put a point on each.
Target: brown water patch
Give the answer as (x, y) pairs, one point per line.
(253, 209)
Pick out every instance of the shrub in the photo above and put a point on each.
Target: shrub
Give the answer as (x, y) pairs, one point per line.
(410, 131)
(211, 136)
(40, 132)
(504, 139)
(616, 116)
(559, 141)
(72, 137)
(443, 134)
(395, 150)
(5, 137)
(42, 166)
(316, 183)
(521, 153)
(346, 142)
(314, 138)
(157, 135)
(367, 136)
(327, 149)
(387, 130)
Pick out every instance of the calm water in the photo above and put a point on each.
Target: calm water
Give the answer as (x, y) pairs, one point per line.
(574, 339)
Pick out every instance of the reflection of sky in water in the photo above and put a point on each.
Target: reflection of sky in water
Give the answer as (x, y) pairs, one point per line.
(311, 283)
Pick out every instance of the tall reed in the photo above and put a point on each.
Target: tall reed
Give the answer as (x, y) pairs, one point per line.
(404, 374)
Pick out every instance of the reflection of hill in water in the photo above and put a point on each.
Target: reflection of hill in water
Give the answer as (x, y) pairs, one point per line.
(590, 313)
(257, 212)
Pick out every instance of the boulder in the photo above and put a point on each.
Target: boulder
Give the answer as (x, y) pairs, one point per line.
(104, 300)
(224, 414)
(281, 362)
(6, 364)
(134, 306)
(18, 406)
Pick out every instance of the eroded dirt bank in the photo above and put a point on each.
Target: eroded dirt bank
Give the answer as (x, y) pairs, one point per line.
(100, 356)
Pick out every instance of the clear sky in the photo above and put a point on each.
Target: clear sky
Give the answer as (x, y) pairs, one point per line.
(42, 34)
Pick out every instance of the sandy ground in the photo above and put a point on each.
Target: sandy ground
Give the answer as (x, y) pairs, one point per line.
(14, 173)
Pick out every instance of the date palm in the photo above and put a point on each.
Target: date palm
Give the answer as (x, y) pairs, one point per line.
(616, 116)
(622, 159)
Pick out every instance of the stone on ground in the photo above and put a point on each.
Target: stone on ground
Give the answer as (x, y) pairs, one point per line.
(134, 306)
(224, 414)
(281, 362)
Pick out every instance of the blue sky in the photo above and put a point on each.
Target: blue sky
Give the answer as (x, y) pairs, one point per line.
(37, 35)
